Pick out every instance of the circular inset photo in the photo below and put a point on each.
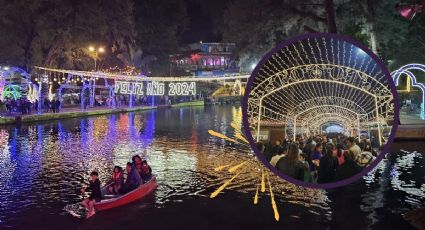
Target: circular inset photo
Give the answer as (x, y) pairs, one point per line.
(320, 110)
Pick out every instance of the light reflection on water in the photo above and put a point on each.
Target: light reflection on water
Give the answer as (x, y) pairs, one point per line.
(45, 164)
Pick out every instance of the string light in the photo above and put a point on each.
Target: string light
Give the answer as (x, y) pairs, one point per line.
(307, 79)
(118, 76)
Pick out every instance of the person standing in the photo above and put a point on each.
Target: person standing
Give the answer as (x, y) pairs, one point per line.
(29, 106)
(46, 105)
(308, 150)
(57, 106)
(339, 153)
(290, 164)
(276, 149)
(276, 158)
(315, 161)
(348, 169)
(327, 167)
(36, 105)
(353, 147)
(307, 173)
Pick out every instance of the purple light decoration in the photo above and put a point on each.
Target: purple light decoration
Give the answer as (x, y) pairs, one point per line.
(406, 69)
(92, 86)
(40, 98)
(148, 129)
(84, 136)
(112, 128)
(83, 101)
(40, 135)
(61, 133)
(131, 128)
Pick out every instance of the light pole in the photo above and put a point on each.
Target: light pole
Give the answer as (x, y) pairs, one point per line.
(96, 53)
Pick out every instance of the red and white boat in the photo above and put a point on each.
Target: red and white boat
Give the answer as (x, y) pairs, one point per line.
(113, 201)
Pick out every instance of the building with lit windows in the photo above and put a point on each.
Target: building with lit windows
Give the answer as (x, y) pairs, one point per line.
(206, 59)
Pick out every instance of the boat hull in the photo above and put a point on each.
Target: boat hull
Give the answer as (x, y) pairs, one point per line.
(136, 194)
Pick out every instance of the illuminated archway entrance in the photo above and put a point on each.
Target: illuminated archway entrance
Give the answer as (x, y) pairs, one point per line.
(411, 82)
(317, 81)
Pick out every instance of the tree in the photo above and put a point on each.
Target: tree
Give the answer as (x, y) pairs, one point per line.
(159, 25)
(56, 33)
(378, 24)
(257, 26)
(412, 49)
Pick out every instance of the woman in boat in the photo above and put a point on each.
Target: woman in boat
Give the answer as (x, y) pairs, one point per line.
(146, 171)
(137, 160)
(133, 178)
(117, 180)
(95, 196)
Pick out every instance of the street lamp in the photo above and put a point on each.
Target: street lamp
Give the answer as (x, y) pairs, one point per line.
(96, 54)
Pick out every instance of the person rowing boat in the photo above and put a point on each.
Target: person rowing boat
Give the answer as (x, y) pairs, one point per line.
(132, 189)
(95, 195)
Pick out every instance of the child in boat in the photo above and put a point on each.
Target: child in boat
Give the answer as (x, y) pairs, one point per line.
(146, 171)
(116, 181)
(133, 179)
(95, 195)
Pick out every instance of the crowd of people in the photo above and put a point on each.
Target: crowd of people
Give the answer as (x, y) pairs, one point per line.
(320, 159)
(136, 173)
(21, 105)
(51, 105)
(25, 106)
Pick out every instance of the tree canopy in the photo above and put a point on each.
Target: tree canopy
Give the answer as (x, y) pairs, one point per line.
(143, 33)
(57, 33)
(257, 26)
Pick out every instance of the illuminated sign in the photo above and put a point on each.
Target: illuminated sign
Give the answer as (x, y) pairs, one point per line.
(155, 88)
(124, 87)
(182, 88)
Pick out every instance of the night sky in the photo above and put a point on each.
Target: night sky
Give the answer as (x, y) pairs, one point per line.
(205, 18)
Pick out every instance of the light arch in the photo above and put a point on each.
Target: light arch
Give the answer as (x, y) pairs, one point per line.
(288, 83)
(407, 70)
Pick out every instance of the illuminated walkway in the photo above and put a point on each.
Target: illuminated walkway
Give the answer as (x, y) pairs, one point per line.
(319, 81)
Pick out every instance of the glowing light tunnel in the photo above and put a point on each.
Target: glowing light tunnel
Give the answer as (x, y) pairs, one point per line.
(316, 76)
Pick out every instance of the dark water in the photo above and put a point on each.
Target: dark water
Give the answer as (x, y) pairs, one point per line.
(43, 166)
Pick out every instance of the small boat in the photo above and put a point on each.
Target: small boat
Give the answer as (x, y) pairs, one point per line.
(113, 201)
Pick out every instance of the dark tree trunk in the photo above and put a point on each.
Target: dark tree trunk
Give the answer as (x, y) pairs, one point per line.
(330, 16)
(52, 51)
(371, 26)
(27, 49)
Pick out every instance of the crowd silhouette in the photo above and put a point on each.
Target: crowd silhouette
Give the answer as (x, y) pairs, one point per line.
(320, 159)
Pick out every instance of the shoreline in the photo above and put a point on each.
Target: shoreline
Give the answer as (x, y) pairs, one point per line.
(19, 119)
(410, 132)
(406, 132)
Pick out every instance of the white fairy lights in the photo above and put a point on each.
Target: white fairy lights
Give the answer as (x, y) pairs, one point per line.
(320, 76)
